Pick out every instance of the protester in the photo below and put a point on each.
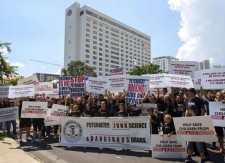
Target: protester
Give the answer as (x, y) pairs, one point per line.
(153, 121)
(168, 126)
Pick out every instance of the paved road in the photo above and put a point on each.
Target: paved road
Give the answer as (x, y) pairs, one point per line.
(52, 153)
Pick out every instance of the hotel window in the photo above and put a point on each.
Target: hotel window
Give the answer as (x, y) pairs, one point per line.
(88, 25)
(87, 29)
(95, 32)
(87, 40)
(87, 35)
(94, 57)
(87, 56)
(87, 51)
(86, 61)
(87, 45)
(95, 47)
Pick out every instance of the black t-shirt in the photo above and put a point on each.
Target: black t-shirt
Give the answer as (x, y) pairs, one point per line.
(169, 109)
(168, 128)
(198, 102)
(115, 104)
(121, 114)
(154, 127)
(103, 113)
(74, 114)
(134, 112)
(161, 104)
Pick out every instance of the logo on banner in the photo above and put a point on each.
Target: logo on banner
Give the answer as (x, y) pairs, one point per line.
(72, 131)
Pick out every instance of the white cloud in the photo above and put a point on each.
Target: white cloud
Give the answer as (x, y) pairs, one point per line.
(201, 29)
(18, 64)
(3, 51)
(58, 71)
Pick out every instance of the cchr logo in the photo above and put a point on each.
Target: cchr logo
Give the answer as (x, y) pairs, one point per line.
(72, 131)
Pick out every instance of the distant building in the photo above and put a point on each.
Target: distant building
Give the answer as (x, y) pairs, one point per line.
(164, 62)
(43, 77)
(103, 42)
(203, 65)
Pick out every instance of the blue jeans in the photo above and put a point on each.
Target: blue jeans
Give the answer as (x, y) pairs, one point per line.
(199, 146)
(8, 126)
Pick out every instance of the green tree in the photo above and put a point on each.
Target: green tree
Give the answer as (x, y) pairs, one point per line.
(146, 69)
(78, 68)
(5, 68)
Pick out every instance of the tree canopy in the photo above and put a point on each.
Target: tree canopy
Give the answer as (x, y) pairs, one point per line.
(146, 69)
(78, 68)
(5, 68)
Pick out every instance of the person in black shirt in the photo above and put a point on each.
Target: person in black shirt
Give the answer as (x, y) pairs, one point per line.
(87, 111)
(122, 112)
(132, 111)
(103, 111)
(74, 112)
(168, 126)
(180, 106)
(153, 121)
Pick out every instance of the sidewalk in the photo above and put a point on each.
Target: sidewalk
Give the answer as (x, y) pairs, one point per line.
(10, 153)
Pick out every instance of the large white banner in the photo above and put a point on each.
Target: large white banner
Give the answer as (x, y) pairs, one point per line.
(56, 112)
(213, 78)
(4, 91)
(21, 91)
(33, 109)
(29, 80)
(183, 68)
(217, 112)
(196, 129)
(110, 132)
(136, 86)
(116, 83)
(8, 114)
(44, 87)
(169, 80)
(96, 85)
(168, 147)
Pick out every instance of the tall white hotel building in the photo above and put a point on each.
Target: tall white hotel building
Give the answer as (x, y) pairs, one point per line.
(103, 42)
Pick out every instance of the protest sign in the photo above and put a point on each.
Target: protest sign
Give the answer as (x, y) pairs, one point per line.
(44, 87)
(66, 81)
(136, 86)
(183, 68)
(167, 147)
(169, 80)
(55, 93)
(21, 91)
(8, 114)
(217, 112)
(196, 129)
(33, 109)
(29, 80)
(77, 89)
(4, 91)
(96, 85)
(56, 112)
(117, 71)
(145, 106)
(197, 80)
(110, 132)
(116, 83)
(213, 78)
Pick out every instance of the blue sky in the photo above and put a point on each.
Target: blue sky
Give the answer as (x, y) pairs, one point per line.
(36, 28)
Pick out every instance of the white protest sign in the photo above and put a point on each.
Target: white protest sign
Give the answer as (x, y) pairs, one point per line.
(217, 112)
(96, 85)
(136, 86)
(196, 129)
(179, 81)
(8, 114)
(44, 87)
(33, 109)
(56, 112)
(116, 83)
(55, 93)
(183, 68)
(145, 106)
(29, 80)
(154, 91)
(4, 91)
(213, 78)
(167, 147)
(156, 80)
(197, 80)
(110, 132)
(21, 91)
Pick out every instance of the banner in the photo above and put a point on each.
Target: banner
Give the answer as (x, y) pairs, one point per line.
(135, 86)
(213, 78)
(66, 81)
(21, 91)
(116, 83)
(55, 93)
(156, 80)
(183, 68)
(196, 129)
(33, 109)
(8, 114)
(56, 112)
(197, 80)
(145, 106)
(168, 147)
(4, 91)
(110, 132)
(217, 112)
(29, 80)
(96, 85)
(117, 71)
(77, 89)
(44, 87)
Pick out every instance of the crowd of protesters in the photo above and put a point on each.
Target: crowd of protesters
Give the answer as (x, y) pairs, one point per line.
(179, 103)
